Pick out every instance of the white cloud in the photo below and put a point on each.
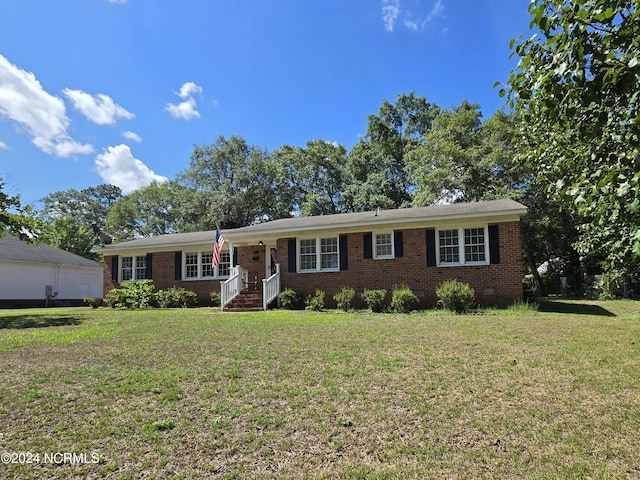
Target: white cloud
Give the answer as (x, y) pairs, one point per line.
(117, 166)
(3, 146)
(40, 114)
(118, 2)
(390, 12)
(100, 108)
(132, 136)
(186, 109)
(437, 9)
(188, 89)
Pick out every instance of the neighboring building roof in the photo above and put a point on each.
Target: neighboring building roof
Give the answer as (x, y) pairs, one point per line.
(15, 250)
(360, 220)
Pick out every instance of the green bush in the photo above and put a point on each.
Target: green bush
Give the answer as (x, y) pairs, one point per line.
(374, 299)
(609, 285)
(132, 295)
(456, 296)
(529, 289)
(215, 299)
(92, 302)
(289, 299)
(176, 298)
(403, 299)
(315, 302)
(344, 298)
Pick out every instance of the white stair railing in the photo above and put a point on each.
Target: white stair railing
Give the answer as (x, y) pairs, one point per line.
(271, 288)
(231, 288)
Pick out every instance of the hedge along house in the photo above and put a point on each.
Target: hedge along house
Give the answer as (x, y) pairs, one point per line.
(476, 243)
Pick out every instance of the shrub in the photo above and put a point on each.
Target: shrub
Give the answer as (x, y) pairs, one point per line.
(215, 299)
(315, 302)
(609, 285)
(529, 289)
(132, 295)
(374, 299)
(93, 302)
(289, 299)
(456, 296)
(344, 298)
(403, 299)
(176, 298)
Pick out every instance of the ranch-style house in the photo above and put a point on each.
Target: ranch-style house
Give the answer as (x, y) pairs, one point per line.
(476, 243)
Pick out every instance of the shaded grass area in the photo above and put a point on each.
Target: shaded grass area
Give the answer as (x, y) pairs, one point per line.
(200, 394)
(36, 319)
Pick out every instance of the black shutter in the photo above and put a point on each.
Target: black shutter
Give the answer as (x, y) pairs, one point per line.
(367, 239)
(114, 269)
(148, 274)
(494, 244)
(178, 266)
(397, 244)
(344, 260)
(431, 248)
(235, 256)
(291, 253)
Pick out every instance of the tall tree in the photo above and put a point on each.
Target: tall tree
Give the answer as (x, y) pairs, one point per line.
(67, 233)
(89, 206)
(577, 90)
(454, 162)
(14, 218)
(235, 183)
(315, 176)
(156, 209)
(377, 170)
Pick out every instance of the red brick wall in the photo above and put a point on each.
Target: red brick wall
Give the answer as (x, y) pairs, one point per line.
(505, 278)
(163, 276)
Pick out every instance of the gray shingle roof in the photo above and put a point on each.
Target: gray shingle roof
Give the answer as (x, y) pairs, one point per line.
(16, 250)
(381, 217)
(366, 220)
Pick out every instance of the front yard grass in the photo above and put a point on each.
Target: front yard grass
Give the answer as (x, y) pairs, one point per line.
(202, 394)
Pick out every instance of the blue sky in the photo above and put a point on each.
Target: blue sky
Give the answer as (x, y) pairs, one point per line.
(119, 91)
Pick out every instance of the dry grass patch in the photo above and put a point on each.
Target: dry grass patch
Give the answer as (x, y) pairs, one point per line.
(199, 394)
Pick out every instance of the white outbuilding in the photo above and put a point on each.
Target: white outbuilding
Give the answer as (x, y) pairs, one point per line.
(40, 275)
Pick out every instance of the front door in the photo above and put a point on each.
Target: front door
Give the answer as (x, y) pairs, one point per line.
(272, 260)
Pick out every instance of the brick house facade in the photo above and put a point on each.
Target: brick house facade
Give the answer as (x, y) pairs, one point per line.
(476, 243)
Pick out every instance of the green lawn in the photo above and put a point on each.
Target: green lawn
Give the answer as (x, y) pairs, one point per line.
(201, 394)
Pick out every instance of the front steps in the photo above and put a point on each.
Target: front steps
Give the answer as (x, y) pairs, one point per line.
(247, 301)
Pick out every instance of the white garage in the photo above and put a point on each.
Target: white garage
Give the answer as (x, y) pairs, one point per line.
(40, 275)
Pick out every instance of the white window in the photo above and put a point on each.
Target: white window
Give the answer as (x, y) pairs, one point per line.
(126, 269)
(474, 245)
(199, 265)
(328, 253)
(473, 242)
(318, 254)
(308, 257)
(448, 246)
(133, 268)
(383, 245)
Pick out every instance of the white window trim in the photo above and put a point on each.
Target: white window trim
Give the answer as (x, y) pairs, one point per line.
(134, 267)
(216, 269)
(318, 256)
(374, 245)
(461, 246)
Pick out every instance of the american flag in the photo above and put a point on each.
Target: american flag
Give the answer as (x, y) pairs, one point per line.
(217, 247)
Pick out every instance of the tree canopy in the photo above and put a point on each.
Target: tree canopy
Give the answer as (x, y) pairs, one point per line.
(577, 90)
(14, 218)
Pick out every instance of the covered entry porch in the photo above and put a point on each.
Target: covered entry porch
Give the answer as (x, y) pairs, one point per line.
(254, 281)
